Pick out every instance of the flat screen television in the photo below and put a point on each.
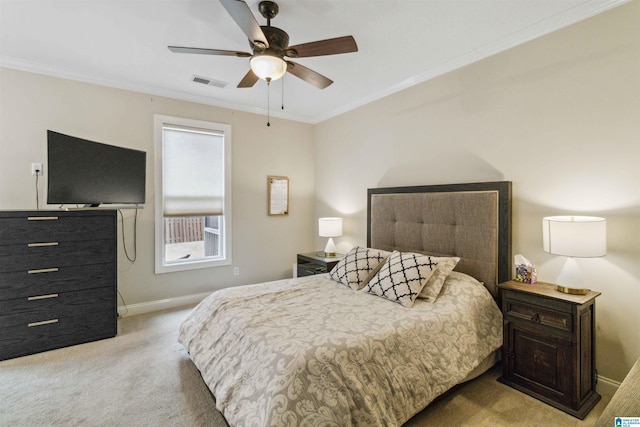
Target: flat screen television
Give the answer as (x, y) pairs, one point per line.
(90, 173)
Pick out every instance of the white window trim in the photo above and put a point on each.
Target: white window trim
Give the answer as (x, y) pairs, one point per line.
(160, 267)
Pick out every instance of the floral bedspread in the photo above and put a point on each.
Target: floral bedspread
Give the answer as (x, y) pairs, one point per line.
(311, 351)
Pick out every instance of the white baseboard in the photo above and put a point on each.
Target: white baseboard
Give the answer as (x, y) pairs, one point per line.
(163, 304)
(606, 387)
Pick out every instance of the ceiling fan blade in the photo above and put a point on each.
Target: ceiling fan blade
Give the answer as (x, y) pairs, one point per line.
(242, 15)
(333, 46)
(308, 75)
(248, 80)
(198, 50)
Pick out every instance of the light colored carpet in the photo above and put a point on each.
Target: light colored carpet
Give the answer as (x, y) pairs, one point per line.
(143, 377)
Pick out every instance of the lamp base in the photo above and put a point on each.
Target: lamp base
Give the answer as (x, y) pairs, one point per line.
(573, 291)
(330, 250)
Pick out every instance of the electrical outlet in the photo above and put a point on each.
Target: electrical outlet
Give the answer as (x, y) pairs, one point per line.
(36, 169)
(236, 271)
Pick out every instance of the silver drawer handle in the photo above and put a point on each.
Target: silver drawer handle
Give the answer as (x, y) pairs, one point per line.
(43, 270)
(42, 297)
(44, 322)
(38, 245)
(42, 218)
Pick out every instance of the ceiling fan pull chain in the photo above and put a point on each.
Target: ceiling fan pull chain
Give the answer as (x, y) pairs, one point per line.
(268, 102)
(282, 107)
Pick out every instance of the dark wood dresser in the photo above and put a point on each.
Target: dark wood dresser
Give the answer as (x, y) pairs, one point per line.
(58, 279)
(549, 345)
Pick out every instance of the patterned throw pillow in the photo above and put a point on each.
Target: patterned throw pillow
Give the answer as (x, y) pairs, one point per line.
(444, 266)
(358, 266)
(402, 277)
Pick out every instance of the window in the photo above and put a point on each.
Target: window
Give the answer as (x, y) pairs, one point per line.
(193, 194)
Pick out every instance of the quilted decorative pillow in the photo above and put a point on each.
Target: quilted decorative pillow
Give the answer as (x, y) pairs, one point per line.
(358, 266)
(444, 266)
(402, 277)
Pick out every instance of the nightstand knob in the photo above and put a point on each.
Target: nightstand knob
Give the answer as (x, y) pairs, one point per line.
(535, 318)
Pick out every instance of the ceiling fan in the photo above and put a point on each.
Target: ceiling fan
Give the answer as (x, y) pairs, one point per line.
(270, 46)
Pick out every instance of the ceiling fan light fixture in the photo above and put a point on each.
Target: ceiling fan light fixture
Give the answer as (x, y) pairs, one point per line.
(268, 67)
(270, 45)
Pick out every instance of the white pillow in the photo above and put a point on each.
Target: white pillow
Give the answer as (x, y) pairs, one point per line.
(401, 277)
(358, 266)
(444, 266)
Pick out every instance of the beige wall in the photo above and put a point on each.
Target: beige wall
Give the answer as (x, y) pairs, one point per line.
(264, 247)
(558, 116)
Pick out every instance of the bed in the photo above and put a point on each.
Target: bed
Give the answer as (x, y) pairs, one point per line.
(330, 350)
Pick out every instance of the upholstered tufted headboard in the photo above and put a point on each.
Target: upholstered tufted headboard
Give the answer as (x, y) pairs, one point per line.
(470, 221)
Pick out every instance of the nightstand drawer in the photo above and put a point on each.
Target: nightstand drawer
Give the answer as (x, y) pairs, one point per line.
(315, 263)
(518, 310)
(310, 269)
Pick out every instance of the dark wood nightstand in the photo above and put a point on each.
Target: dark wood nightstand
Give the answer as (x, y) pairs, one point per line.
(316, 263)
(549, 345)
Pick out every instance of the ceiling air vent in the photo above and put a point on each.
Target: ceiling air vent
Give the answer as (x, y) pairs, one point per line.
(208, 81)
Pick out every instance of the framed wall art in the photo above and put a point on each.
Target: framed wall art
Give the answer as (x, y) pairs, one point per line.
(277, 195)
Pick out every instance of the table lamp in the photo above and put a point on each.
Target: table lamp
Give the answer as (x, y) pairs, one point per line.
(330, 227)
(574, 237)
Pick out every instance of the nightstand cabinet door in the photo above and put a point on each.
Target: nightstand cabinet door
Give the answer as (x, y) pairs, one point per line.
(538, 361)
(548, 349)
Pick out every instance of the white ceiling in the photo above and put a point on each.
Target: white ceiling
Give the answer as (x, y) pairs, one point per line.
(123, 43)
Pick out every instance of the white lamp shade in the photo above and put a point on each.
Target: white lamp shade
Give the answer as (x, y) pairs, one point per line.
(268, 66)
(575, 236)
(330, 227)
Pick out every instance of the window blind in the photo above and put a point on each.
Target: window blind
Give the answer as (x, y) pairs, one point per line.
(193, 172)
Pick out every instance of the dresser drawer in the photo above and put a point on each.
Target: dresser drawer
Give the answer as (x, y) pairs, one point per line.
(47, 255)
(56, 280)
(73, 328)
(50, 227)
(47, 307)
